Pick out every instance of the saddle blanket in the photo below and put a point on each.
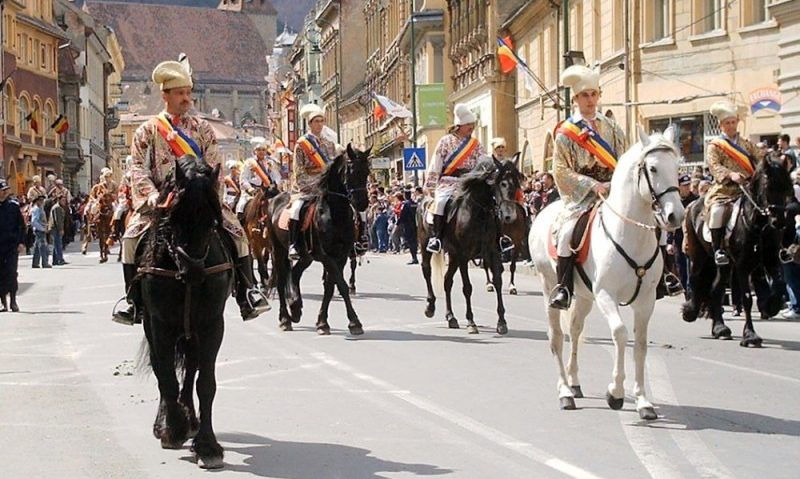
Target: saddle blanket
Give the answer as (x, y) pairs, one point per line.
(581, 237)
(734, 215)
(306, 217)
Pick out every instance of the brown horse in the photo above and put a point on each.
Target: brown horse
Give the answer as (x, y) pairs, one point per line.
(256, 225)
(101, 223)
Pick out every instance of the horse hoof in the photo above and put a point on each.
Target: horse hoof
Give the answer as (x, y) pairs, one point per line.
(171, 444)
(324, 330)
(753, 341)
(352, 290)
(648, 413)
(576, 391)
(512, 291)
(720, 331)
(452, 323)
(212, 462)
(567, 403)
(614, 403)
(286, 326)
(688, 313)
(429, 312)
(490, 288)
(502, 329)
(356, 330)
(83, 252)
(471, 329)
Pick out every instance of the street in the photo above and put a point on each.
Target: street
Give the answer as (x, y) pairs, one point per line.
(409, 398)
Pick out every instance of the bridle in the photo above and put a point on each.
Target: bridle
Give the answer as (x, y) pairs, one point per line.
(655, 204)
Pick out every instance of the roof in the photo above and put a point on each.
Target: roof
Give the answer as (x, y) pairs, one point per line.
(223, 47)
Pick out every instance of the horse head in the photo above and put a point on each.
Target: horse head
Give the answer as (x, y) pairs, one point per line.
(770, 186)
(357, 175)
(190, 204)
(656, 173)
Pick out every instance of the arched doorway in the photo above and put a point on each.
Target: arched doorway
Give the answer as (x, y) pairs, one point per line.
(13, 179)
(549, 151)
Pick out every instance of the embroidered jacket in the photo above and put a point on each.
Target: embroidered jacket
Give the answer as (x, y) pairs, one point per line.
(576, 171)
(444, 150)
(304, 169)
(724, 190)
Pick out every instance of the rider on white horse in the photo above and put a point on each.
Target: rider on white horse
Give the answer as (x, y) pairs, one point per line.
(731, 159)
(456, 153)
(259, 171)
(587, 147)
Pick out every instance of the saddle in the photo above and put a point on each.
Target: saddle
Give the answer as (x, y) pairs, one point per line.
(732, 215)
(430, 211)
(581, 236)
(306, 217)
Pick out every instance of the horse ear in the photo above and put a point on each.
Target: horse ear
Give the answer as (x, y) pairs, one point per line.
(518, 160)
(669, 133)
(350, 152)
(215, 172)
(643, 137)
(179, 174)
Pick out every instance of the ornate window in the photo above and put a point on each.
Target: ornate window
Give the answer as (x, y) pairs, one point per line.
(22, 112)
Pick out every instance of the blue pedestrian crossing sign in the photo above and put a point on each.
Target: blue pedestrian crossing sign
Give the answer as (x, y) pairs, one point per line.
(414, 159)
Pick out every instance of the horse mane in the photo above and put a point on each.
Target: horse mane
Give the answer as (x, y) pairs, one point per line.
(320, 184)
(472, 182)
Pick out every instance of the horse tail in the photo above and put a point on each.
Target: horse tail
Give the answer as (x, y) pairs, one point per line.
(437, 273)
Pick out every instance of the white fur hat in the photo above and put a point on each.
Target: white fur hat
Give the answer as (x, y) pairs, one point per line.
(105, 172)
(311, 111)
(36, 179)
(497, 142)
(171, 74)
(723, 110)
(231, 164)
(580, 78)
(462, 115)
(259, 142)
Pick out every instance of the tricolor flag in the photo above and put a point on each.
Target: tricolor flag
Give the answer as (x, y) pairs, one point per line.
(61, 125)
(31, 118)
(389, 107)
(505, 55)
(378, 111)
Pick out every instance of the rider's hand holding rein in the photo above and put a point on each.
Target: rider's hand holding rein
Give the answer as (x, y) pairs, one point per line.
(602, 188)
(152, 200)
(737, 178)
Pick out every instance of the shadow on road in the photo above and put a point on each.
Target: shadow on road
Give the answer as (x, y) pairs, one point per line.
(393, 335)
(267, 457)
(361, 295)
(698, 418)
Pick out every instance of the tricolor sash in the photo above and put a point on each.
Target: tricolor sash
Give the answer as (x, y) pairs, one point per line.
(313, 151)
(458, 157)
(736, 153)
(260, 172)
(179, 142)
(591, 141)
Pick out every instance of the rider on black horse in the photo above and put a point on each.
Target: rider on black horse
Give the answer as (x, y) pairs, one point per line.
(156, 146)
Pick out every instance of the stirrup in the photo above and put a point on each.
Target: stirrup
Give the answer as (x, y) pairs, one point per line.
(672, 284)
(785, 256)
(117, 316)
(555, 302)
(434, 245)
(361, 247)
(721, 258)
(294, 255)
(506, 244)
(254, 296)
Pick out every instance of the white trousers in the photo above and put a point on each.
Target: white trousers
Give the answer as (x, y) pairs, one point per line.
(440, 200)
(294, 208)
(716, 215)
(563, 248)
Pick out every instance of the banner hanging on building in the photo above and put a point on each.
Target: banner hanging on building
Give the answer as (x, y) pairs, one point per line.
(765, 99)
(432, 106)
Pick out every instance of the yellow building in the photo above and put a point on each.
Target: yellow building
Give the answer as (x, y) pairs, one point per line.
(328, 20)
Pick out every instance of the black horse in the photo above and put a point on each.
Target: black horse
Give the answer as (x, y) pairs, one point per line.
(471, 231)
(329, 239)
(186, 273)
(754, 243)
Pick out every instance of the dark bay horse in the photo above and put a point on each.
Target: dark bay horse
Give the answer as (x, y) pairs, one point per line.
(754, 243)
(471, 231)
(256, 226)
(329, 239)
(186, 273)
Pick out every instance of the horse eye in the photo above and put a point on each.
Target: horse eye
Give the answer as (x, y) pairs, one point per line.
(652, 169)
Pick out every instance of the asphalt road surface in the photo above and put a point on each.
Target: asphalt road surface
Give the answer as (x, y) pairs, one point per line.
(410, 398)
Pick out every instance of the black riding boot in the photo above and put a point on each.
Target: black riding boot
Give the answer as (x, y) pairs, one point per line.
(435, 242)
(717, 239)
(669, 284)
(251, 300)
(561, 296)
(130, 314)
(294, 240)
(4, 306)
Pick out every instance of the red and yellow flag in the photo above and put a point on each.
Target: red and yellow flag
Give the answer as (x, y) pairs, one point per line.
(505, 55)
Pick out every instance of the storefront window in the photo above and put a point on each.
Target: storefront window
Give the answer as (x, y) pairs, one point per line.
(689, 136)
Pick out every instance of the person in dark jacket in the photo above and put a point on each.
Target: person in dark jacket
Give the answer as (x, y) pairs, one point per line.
(12, 243)
(675, 238)
(408, 222)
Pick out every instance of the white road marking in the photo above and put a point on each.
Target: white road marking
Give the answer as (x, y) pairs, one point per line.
(483, 430)
(73, 305)
(746, 369)
(268, 373)
(693, 448)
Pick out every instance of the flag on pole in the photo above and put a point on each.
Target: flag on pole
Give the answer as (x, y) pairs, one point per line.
(61, 125)
(391, 108)
(378, 110)
(31, 119)
(505, 55)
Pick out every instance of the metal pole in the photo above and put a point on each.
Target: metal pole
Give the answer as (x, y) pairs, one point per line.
(565, 15)
(413, 67)
(339, 75)
(627, 66)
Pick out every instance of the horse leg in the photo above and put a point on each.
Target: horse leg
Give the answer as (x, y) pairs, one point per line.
(172, 424)
(512, 288)
(642, 311)
(718, 328)
(87, 238)
(205, 446)
(489, 285)
(566, 397)
(353, 264)
(615, 395)
(749, 337)
(355, 326)
(187, 390)
(452, 322)
(577, 320)
(295, 297)
(466, 290)
(430, 309)
(323, 328)
(281, 270)
(497, 277)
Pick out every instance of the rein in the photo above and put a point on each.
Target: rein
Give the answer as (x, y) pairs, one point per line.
(759, 209)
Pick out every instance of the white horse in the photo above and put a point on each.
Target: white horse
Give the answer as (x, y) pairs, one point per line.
(623, 265)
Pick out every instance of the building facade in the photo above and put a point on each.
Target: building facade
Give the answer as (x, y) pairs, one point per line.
(30, 67)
